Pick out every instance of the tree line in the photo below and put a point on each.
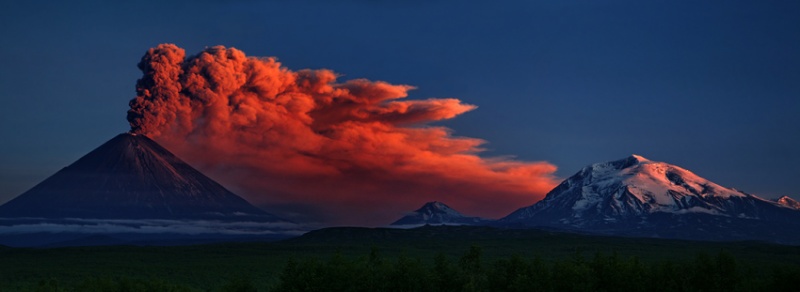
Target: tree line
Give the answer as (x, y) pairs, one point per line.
(472, 272)
(720, 272)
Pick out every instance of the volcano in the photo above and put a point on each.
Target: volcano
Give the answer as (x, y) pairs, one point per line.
(437, 213)
(639, 197)
(131, 177)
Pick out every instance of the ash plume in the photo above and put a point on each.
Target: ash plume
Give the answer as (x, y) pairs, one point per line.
(355, 151)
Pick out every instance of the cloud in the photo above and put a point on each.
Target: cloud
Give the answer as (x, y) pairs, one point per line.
(354, 151)
(148, 226)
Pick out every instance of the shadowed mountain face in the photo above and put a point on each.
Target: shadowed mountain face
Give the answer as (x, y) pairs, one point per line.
(638, 197)
(131, 177)
(437, 213)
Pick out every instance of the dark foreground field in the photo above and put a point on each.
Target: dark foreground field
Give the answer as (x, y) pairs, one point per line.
(441, 258)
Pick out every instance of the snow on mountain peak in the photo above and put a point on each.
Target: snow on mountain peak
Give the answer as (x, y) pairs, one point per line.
(788, 202)
(653, 181)
(631, 187)
(436, 204)
(639, 158)
(641, 197)
(437, 207)
(436, 213)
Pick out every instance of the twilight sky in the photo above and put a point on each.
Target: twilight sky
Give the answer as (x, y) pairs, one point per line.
(712, 87)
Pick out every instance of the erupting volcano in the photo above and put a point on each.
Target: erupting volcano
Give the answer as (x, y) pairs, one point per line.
(131, 177)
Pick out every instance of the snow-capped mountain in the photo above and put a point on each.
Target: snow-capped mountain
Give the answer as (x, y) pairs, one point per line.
(637, 196)
(788, 202)
(131, 177)
(437, 213)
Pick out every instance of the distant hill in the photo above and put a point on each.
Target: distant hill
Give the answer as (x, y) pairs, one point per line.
(437, 213)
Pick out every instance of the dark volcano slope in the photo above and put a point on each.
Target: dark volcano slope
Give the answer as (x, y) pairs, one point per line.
(131, 177)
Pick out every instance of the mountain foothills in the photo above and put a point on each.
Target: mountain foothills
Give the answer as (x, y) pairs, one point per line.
(131, 187)
(638, 197)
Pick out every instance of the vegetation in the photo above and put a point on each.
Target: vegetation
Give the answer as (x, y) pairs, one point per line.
(721, 272)
(443, 258)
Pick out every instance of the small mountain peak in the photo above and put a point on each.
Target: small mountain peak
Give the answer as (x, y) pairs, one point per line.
(787, 201)
(435, 204)
(127, 138)
(131, 135)
(624, 163)
(436, 212)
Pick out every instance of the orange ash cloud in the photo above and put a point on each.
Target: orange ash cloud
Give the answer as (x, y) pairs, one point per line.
(299, 141)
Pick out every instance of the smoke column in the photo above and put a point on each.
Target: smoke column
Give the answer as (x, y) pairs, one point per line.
(351, 152)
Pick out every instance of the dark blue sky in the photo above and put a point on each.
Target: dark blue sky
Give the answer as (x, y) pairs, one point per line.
(712, 86)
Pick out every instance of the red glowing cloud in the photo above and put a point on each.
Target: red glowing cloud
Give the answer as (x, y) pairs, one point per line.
(352, 152)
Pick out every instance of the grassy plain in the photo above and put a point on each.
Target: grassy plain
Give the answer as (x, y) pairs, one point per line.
(221, 267)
